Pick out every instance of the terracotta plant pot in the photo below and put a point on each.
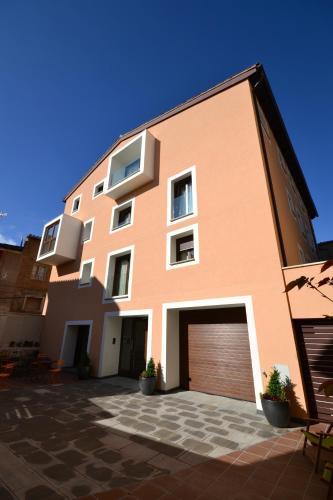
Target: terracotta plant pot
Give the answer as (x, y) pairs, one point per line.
(147, 385)
(276, 412)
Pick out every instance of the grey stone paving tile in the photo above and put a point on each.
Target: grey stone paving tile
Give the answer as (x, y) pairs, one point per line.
(41, 492)
(235, 420)
(217, 430)
(71, 457)
(175, 418)
(189, 414)
(266, 434)
(213, 421)
(86, 444)
(22, 448)
(262, 426)
(191, 458)
(144, 427)
(193, 423)
(148, 418)
(168, 464)
(38, 458)
(225, 443)
(197, 446)
(108, 456)
(114, 441)
(59, 473)
(249, 416)
(171, 450)
(172, 426)
(5, 494)
(137, 451)
(195, 433)
(208, 407)
(97, 472)
(242, 428)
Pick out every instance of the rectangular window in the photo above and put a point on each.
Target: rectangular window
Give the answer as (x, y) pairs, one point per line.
(39, 272)
(86, 273)
(32, 304)
(50, 238)
(87, 230)
(182, 198)
(183, 247)
(76, 204)
(98, 189)
(122, 215)
(125, 171)
(119, 274)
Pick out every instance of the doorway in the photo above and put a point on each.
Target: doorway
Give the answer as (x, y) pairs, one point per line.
(75, 344)
(132, 360)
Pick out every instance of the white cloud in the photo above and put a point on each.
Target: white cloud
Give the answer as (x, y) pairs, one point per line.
(8, 240)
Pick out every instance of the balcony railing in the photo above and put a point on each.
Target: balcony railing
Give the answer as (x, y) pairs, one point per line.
(124, 172)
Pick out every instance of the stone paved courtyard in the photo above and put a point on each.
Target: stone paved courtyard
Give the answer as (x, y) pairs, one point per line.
(78, 439)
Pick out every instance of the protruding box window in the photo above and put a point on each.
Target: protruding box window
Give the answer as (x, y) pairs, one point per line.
(131, 166)
(60, 240)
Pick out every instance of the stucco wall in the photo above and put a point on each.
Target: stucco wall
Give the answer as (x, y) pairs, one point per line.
(20, 327)
(238, 248)
(283, 183)
(309, 302)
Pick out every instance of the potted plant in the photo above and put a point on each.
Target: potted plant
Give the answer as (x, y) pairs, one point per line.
(147, 381)
(84, 368)
(275, 403)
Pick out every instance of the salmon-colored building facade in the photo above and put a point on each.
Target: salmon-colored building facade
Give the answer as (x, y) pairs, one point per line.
(178, 244)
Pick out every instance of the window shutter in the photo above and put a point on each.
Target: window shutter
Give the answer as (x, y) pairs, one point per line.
(86, 273)
(87, 231)
(186, 245)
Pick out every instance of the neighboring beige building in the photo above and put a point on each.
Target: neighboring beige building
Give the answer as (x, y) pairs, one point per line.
(178, 243)
(23, 287)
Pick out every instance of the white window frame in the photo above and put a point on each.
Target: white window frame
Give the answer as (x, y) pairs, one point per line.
(171, 181)
(114, 254)
(79, 197)
(88, 261)
(116, 208)
(91, 232)
(172, 236)
(102, 181)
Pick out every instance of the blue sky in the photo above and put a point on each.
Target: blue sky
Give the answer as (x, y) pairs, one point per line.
(75, 74)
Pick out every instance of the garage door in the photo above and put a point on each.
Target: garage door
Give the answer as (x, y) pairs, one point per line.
(220, 360)
(316, 349)
(215, 353)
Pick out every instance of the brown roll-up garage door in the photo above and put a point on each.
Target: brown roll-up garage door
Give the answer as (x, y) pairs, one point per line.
(316, 349)
(218, 358)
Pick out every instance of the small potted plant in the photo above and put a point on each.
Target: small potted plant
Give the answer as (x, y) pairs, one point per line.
(147, 381)
(275, 402)
(84, 368)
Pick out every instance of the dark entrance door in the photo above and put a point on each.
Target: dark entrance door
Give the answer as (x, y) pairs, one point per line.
(81, 344)
(133, 347)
